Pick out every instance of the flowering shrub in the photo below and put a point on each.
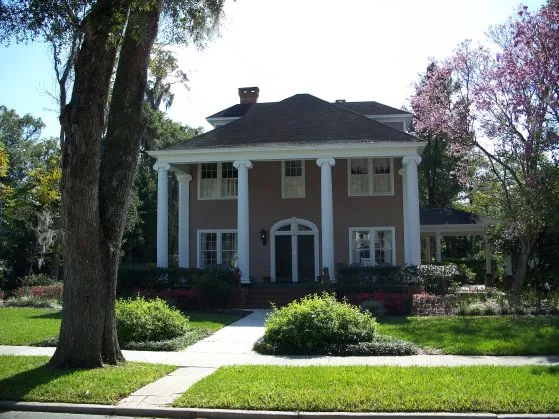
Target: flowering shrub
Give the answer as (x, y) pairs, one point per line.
(393, 303)
(438, 279)
(181, 298)
(2, 295)
(51, 292)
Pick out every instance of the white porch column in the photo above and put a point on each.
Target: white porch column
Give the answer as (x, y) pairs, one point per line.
(402, 173)
(327, 214)
(243, 226)
(438, 247)
(162, 215)
(488, 270)
(184, 219)
(412, 204)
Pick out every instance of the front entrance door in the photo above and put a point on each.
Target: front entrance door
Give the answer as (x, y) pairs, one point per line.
(294, 251)
(283, 259)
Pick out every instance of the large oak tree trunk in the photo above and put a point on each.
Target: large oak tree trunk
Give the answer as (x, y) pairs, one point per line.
(96, 184)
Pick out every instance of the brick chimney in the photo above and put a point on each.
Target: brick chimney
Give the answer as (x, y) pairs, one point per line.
(249, 94)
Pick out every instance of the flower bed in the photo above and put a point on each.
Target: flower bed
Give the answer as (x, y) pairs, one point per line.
(53, 292)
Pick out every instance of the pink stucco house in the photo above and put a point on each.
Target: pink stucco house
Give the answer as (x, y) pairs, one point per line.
(284, 189)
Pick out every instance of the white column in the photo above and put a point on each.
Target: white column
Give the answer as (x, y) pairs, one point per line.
(162, 215)
(184, 219)
(438, 247)
(402, 173)
(412, 204)
(488, 270)
(243, 226)
(327, 214)
(428, 249)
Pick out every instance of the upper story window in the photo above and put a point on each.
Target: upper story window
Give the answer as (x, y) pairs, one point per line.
(370, 177)
(217, 181)
(372, 246)
(293, 179)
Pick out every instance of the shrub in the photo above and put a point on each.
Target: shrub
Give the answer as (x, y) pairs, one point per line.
(372, 279)
(434, 305)
(151, 277)
(140, 320)
(480, 308)
(32, 301)
(375, 307)
(52, 292)
(2, 295)
(313, 323)
(438, 279)
(393, 303)
(181, 298)
(37, 279)
(213, 287)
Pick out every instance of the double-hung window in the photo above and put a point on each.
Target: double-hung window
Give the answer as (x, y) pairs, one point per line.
(217, 247)
(217, 181)
(370, 177)
(372, 246)
(293, 179)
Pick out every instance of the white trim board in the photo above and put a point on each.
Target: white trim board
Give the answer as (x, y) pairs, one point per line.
(276, 152)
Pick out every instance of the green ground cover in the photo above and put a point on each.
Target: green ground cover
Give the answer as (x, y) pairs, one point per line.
(479, 335)
(28, 378)
(26, 326)
(380, 389)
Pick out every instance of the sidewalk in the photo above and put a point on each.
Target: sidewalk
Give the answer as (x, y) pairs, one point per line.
(232, 345)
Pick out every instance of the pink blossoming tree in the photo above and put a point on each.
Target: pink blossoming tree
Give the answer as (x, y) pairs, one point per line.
(506, 106)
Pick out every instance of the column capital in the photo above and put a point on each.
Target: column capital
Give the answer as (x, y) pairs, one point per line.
(161, 166)
(239, 163)
(184, 177)
(412, 158)
(326, 160)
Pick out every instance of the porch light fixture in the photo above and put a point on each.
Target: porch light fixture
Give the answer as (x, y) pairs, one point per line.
(263, 236)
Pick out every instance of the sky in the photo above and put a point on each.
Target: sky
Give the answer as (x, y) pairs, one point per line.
(352, 49)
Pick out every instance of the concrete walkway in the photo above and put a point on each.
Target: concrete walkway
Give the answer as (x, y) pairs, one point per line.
(232, 345)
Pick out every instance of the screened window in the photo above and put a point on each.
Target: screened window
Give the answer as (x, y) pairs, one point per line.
(370, 176)
(372, 246)
(293, 179)
(217, 248)
(217, 181)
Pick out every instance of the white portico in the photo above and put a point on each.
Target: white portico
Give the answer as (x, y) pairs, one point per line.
(334, 168)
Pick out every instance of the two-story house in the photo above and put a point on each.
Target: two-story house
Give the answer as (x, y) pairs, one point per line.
(284, 189)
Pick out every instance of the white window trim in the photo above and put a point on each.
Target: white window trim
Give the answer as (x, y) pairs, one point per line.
(370, 174)
(219, 178)
(283, 181)
(372, 233)
(219, 247)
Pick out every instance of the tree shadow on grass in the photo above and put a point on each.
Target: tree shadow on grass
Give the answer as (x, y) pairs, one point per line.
(18, 386)
(50, 315)
(552, 370)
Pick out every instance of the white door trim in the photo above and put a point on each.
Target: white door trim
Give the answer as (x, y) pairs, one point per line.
(293, 232)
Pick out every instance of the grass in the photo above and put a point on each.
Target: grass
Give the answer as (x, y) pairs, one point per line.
(480, 335)
(24, 326)
(28, 326)
(210, 321)
(28, 378)
(381, 389)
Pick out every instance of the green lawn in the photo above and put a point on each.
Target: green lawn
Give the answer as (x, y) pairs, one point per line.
(28, 378)
(380, 389)
(491, 335)
(26, 326)
(210, 321)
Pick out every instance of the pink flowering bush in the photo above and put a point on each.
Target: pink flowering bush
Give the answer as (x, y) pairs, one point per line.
(52, 292)
(392, 303)
(181, 298)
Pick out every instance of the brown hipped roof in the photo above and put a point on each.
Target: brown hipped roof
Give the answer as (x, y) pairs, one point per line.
(299, 119)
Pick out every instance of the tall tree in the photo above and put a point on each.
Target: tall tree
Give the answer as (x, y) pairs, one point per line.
(507, 107)
(98, 166)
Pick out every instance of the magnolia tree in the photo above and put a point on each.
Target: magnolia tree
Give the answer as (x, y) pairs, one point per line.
(504, 105)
